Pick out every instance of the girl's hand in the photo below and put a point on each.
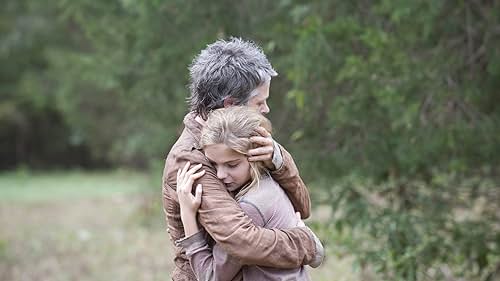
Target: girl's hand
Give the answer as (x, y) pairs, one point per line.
(185, 178)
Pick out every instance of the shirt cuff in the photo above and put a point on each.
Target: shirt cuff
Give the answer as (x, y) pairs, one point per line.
(277, 157)
(319, 256)
(193, 243)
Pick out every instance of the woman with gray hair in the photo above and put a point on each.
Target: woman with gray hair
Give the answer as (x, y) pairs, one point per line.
(225, 74)
(234, 72)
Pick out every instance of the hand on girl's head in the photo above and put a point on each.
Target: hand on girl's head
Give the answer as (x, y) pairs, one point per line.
(265, 148)
(262, 138)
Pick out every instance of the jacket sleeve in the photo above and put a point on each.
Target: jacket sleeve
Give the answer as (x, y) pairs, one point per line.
(233, 230)
(287, 176)
(208, 264)
(216, 264)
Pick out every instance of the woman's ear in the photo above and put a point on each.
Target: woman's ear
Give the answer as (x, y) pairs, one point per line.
(228, 102)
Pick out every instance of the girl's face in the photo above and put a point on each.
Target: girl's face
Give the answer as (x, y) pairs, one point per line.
(233, 168)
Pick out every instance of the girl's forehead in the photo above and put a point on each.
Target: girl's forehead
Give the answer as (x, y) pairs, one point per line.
(221, 153)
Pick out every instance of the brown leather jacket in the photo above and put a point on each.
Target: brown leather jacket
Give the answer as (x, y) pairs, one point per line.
(221, 216)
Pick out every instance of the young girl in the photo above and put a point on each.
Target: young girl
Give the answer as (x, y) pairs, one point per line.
(225, 141)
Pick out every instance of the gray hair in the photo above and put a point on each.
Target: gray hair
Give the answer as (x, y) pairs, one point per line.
(227, 69)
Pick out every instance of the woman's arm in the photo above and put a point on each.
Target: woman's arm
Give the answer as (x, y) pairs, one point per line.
(287, 176)
(216, 264)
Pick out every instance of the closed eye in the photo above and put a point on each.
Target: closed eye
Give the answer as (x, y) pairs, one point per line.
(232, 164)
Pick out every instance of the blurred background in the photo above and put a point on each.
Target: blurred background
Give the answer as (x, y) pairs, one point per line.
(389, 107)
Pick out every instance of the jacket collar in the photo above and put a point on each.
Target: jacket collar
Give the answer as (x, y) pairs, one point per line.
(193, 128)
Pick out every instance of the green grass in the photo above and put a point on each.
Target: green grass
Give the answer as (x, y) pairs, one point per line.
(95, 226)
(26, 186)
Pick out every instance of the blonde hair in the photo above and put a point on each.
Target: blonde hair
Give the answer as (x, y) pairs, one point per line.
(233, 126)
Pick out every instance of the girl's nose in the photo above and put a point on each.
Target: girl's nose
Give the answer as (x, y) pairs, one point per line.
(221, 174)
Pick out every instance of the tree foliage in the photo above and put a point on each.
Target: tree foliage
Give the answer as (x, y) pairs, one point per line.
(389, 107)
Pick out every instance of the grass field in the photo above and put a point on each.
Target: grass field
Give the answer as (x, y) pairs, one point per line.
(93, 226)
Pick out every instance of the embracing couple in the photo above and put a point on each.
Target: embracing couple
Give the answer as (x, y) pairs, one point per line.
(232, 196)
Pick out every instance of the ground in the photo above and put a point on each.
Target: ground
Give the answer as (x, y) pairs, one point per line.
(93, 226)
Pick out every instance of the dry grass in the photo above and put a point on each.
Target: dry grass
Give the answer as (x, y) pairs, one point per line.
(111, 236)
(89, 239)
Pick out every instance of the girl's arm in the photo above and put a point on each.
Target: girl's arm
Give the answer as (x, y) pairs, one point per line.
(206, 265)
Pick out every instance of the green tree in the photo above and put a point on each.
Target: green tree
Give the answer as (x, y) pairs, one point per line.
(389, 107)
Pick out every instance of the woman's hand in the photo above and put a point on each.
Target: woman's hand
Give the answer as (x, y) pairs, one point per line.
(189, 204)
(265, 148)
